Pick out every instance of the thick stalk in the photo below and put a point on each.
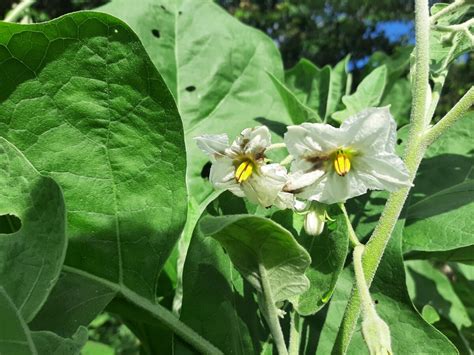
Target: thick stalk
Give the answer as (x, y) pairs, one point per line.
(167, 318)
(18, 10)
(271, 313)
(413, 155)
(295, 333)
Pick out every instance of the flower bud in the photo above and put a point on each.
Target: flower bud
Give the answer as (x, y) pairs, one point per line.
(313, 223)
(376, 334)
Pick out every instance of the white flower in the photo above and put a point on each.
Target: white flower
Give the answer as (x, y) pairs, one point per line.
(242, 169)
(333, 164)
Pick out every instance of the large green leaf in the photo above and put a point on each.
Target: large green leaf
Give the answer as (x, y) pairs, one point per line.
(393, 305)
(30, 258)
(328, 253)
(15, 337)
(439, 215)
(261, 249)
(215, 66)
(368, 94)
(74, 301)
(217, 302)
(87, 107)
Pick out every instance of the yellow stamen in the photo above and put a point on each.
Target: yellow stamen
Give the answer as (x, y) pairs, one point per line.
(342, 163)
(244, 171)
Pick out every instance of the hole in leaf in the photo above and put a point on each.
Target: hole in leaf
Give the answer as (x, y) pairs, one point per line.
(156, 33)
(399, 141)
(190, 88)
(376, 301)
(9, 224)
(206, 170)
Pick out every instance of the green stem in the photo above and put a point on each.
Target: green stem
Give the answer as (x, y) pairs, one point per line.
(451, 7)
(158, 311)
(18, 10)
(413, 155)
(270, 312)
(352, 235)
(364, 294)
(450, 118)
(295, 333)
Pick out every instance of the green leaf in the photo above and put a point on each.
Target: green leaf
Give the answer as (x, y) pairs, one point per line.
(447, 46)
(440, 210)
(398, 96)
(31, 258)
(319, 89)
(49, 343)
(310, 85)
(260, 248)
(95, 348)
(74, 301)
(461, 255)
(393, 304)
(214, 291)
(297, 110)
(429, 286)
(15, 337)
(368, 94)
(88, 108)
(328, 253)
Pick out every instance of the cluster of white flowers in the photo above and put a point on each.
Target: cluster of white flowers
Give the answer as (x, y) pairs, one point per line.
(329, 165)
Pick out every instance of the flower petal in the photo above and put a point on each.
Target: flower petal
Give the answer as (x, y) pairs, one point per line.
(251, 141)
(383, 172)
(213, 145)
(222, 175)
(332, 188)
(284, 200)
(300, 180)
(310, 139)
(371, 131)
(263, 187)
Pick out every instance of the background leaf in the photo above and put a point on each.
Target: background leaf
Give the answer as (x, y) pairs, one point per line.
(439, 213)
(368, 94)
(30, 258)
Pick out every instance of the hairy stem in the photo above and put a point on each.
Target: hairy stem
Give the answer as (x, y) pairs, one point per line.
(18, 10)
(413, 155)
(451, 7)
(362, 287)
(352, 235)
(270, 312)
(295, 333)
(450, 118)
